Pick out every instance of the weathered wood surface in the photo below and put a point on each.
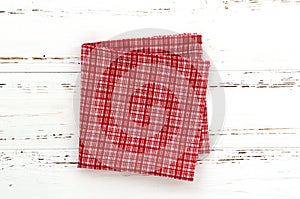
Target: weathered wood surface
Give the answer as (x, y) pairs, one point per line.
(254, 45)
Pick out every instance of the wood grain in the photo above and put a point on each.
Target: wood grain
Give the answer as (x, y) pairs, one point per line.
(254, 46)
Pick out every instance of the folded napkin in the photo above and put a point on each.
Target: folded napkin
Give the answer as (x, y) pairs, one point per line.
(143, 105)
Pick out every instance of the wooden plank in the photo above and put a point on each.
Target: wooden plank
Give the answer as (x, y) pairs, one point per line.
(31, 178)
(60, 34)
(68, 158)
(61, 158)
(52, 101)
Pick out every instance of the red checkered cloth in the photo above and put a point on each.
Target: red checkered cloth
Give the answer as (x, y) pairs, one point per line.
(143, 105)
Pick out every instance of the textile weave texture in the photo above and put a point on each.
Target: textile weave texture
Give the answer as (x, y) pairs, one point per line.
(143, 105)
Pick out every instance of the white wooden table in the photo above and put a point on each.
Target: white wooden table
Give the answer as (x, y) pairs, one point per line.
(254, 44)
